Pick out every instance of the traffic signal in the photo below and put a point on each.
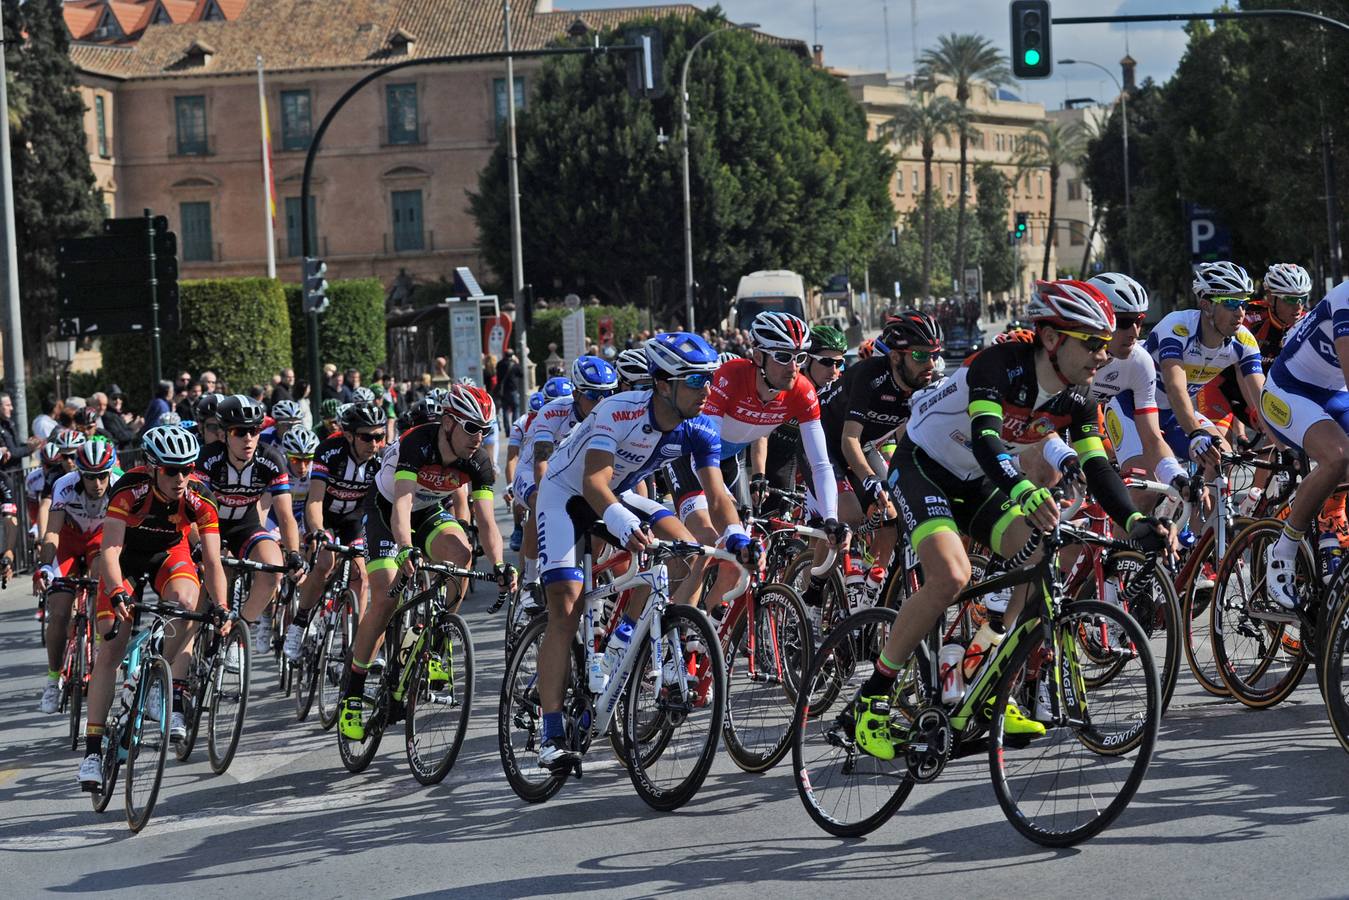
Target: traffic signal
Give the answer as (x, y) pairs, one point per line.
(1031, 55)
(315, 285)
(645, 67)
(1020, 232)
(103, 282)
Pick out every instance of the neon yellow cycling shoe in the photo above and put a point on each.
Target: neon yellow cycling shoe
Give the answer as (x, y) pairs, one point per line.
(351, 718)
(1015, 722)
(872, 732)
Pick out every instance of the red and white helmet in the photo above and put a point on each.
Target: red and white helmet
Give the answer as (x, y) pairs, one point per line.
(1071, 304)
(468, 404)
(779, 331)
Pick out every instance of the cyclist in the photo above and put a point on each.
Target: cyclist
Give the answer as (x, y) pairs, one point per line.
(783, 446)
(145, 535)
(513, 446)
(423, 468)
(70, 546)
(339, 482)
(953, 472)
(873, 399)
(1306, 405)
(590, 479)
(56, 459)
(239, 471)
(1191, 346)
(329, 427)
(208, 423)
(286, 414)
(298, 446)
(633, 374)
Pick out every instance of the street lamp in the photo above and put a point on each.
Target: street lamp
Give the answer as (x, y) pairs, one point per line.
(1124, 115)
(61, 350)
(688, 203)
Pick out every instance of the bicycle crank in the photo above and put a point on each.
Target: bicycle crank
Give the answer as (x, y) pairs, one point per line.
(929, 745)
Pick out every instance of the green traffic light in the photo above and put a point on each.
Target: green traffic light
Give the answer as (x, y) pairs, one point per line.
(1032, 57)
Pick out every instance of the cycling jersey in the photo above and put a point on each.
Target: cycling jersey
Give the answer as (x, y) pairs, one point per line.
(1135, 375)
(518, 428)
(869, 394)
(1306, 384)
(415, 456)
(625, 425)
(269, 437)
(1177, 337)
(237, 490)
(83, 513)
(154, 523)
(550, 425)
(345, 480)
(299, 491)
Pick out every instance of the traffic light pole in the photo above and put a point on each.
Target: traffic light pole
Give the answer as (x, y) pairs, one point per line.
(156, 361)
(14, 332)
(315, 367)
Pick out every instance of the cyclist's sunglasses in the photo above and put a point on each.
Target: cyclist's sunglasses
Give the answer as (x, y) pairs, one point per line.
(178, 471)
(1127, 321)
(1300, 300)
(1232, 304)
(472, 427)
(830, 361)
(297, 460)
(371, 437)
(1093, 342)
(922, 357)
(597, 393)
(96, 476)
(787, 357)
(695, 380)
(245, 432)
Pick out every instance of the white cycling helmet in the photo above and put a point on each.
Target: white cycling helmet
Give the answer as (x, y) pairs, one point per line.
(1221, 279)
(1288, 280)
(1071, 304)
(632, 368)
(284, 411)
(1125, 295)
(779, 331)
(299, 442)
(726, 356)
(170, 445)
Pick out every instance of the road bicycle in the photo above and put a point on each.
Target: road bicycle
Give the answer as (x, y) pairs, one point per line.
(77, 660)
(327, 639)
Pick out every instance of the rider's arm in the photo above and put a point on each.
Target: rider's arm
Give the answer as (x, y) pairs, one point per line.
(400, 520)
(821, 472)
(114, 534)
(44, 506)
(216, 583)
(313, 504)
(542, 450)
(1177, 391)
(46, 551)
(285, 520)
(758, 456)
(488, 533)
(512, 460)
(622, 522)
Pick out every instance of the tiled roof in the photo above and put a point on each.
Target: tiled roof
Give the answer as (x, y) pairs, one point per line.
(80, 20)
(133, 16)
(317, 34)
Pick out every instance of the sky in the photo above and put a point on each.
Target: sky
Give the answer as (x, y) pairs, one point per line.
(854, 36)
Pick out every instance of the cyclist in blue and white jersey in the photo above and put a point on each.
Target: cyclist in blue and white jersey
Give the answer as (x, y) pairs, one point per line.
(298, 447)
(514, 444)
(1306, 405)
(590, 478)
(1191, 346)
(556, 390)
(286, 414)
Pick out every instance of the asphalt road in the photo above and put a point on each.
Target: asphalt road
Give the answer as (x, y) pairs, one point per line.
(1236, 802)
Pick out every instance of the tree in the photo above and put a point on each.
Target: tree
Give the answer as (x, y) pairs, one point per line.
(997, 256)
(782, 174)
(54, 193)
(921, 124)
(1051, 145)
(964, 59)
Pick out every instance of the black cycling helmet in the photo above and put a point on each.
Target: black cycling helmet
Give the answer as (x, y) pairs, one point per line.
(207, 405)
(364, 415)
(240, 411)
(910, 328)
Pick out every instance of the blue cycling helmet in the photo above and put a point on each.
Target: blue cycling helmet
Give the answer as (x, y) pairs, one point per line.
(556, 387)
(679, 353)
(536, 401)
(590, 373)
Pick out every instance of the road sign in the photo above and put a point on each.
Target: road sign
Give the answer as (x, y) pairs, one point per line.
(104, 283)
(974, 281)
(1209, 239)
(465, 341)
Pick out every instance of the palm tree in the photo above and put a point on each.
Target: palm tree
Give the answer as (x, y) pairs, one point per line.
(1051, 145)
(1093, 130)
(921, 124)
(964, 59)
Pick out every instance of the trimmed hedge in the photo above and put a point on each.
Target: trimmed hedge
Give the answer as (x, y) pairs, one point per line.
(351, 332)
(235, 327)
(547, 328)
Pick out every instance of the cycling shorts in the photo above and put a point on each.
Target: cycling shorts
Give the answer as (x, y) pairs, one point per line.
(73, 545)
(240, 537)
(1123, 431)
(1290, 409)
(160, 568)
(565, 518)
(523, 487)
(428, 523)
(687, 490)
(933, 499)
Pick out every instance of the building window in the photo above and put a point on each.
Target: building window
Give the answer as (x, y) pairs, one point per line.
(101, 115)
(1074, 189)
(1040, 185)
(195, 231)
(190, 113)
(950, 184)
(402, 101)
(899, 182)
(915, 180)
(213, 13)
(294, 246)
(295, 120)
(499, 98)
(998, 142)
(407, 221)
(1075, 236)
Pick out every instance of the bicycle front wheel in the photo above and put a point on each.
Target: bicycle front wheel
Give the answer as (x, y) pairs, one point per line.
(148, 743)
(439, 700)
(307, 670)
(1334, 673)
(520, 715)
(74, 688)
(337, 636)
(1198, 642)
(229, 698)
(765, 668)
(1067, 785)
(679, 709)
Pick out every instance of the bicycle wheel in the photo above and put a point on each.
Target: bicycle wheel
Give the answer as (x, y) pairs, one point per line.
(765, 670)
(1198, 637)
(335, 647)
(833, 597)
(1065, 786)
(307, 669)
(74, 687)
(520, 717)
(148, 744)
(112, 761)
(356, 755)
(681, 713)
(847, 792)
(439, 700)
(1334, 672)
(1260, 661)
(229, 698)
(195, 697)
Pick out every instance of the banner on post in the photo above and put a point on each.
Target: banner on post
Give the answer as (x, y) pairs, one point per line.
(574, 335)
(465, 342)
(496, 333)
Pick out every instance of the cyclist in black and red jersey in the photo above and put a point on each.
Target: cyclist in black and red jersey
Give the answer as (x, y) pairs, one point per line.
(145, 535)
(241, 471)
(344, 469)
